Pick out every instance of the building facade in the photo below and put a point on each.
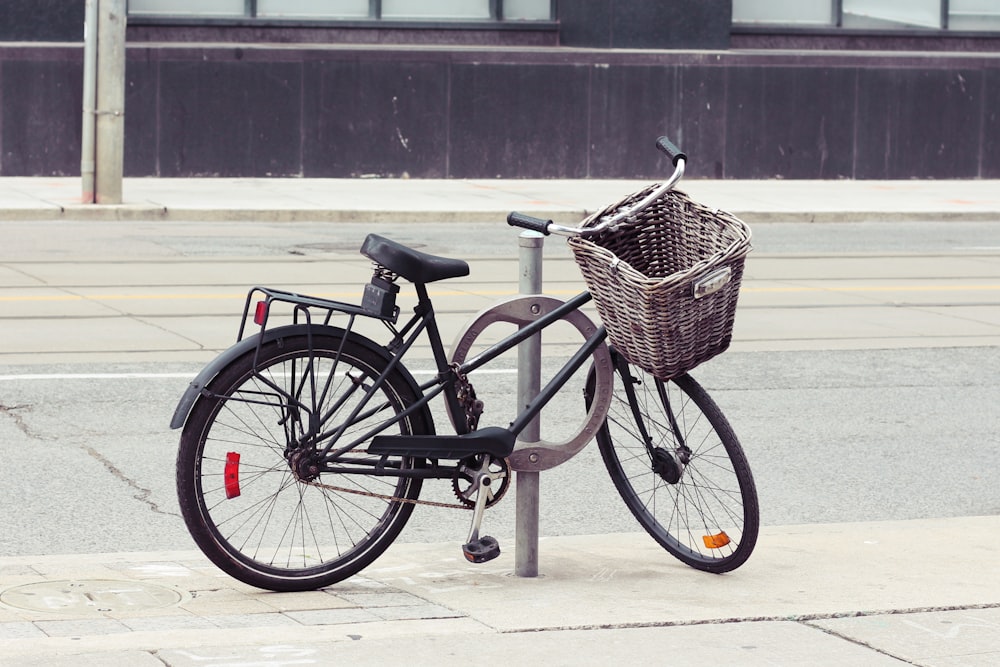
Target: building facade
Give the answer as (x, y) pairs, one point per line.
(871, 89)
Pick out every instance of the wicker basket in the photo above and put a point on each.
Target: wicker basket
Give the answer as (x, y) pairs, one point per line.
(666, 280)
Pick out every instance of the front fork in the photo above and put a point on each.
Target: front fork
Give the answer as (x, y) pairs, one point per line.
(669, 465)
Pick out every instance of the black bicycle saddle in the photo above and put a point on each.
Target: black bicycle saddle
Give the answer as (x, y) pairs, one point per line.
(415, 266)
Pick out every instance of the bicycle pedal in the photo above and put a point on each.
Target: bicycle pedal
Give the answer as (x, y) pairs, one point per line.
(479, 551)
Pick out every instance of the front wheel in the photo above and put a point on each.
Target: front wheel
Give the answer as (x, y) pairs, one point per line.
(252, 498)
(680, 469)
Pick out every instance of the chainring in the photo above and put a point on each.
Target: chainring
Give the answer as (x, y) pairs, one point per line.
(469, 469)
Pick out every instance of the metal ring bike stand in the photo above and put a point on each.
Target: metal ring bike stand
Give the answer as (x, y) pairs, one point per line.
(532, 454)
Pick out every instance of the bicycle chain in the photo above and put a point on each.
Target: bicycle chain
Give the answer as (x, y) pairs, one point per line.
(372, 494)
(473, 409)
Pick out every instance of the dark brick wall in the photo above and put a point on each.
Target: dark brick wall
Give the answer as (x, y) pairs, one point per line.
(524, 113)
(40, 111)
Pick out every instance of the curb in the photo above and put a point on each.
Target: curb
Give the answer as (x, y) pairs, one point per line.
(154, 212)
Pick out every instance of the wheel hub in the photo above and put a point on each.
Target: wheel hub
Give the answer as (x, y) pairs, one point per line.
(304, 466)
(666, 466)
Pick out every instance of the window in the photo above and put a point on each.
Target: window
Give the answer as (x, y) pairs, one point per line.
(453, 9)
(891, 14)
(332, 10)
(974, 15)
(527, 10)
(803, 12)
(311, 9)
(205, 8)
(970, 15)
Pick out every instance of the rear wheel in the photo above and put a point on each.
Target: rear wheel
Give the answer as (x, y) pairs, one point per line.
(680, 469)
(253, 497)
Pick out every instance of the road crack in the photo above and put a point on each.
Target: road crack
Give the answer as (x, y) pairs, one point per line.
(142, 494)
(16, 414)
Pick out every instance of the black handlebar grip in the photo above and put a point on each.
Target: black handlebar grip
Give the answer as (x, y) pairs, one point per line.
(672, 151)
(516, 219)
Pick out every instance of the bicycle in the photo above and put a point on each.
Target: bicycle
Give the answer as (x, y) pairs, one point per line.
(305, 445)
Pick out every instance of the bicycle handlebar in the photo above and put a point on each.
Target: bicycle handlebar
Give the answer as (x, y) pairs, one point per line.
(671, 150)
(515, 219)
(677, 157)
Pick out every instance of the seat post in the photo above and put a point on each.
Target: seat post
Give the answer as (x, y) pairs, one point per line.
(441, 361)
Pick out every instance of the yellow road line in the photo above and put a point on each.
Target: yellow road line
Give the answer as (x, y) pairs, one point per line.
(488, 293)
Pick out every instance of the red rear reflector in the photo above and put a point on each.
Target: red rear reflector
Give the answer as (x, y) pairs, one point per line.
(232, 475)
(260, 315)
(716, 541)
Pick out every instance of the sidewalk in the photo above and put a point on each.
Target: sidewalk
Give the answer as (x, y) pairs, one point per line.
(565, 201)
(911, 592)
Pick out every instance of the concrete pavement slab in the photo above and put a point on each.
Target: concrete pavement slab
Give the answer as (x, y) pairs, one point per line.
(40, 302)
(853, 327)
(84, 335)
(898, 292)
(764, 644)
(16, 278)
(869, 593)
(430, 200)
(123, 658)
(856, 267)
(796, 571)
(937, 639)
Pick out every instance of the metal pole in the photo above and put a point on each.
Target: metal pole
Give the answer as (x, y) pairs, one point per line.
(89, 100)
(110, 145)
(529, 362)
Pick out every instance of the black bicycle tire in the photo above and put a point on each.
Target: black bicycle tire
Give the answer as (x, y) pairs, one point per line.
(197, 512)
(640, 501)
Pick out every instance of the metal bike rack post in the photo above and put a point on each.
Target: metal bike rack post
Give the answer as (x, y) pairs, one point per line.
(529, 362)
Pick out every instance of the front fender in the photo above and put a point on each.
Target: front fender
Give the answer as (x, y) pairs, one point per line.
(249, 344)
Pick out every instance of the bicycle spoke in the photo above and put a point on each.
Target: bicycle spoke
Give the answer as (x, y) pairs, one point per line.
(265, 511)
(689, 486)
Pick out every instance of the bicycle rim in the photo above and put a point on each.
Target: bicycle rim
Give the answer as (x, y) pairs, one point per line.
(247, 509)
(680, 470)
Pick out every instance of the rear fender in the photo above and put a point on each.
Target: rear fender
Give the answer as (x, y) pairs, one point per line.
(249, 344)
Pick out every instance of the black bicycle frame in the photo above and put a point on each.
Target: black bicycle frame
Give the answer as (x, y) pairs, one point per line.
(424, 320)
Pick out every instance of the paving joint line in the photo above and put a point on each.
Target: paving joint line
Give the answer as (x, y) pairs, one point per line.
(797, 618)
(856, 642)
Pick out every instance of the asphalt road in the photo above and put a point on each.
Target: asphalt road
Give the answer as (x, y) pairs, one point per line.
(863, 381)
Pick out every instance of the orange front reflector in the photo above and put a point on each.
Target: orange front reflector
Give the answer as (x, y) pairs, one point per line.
(232, 476)
(716, 541)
